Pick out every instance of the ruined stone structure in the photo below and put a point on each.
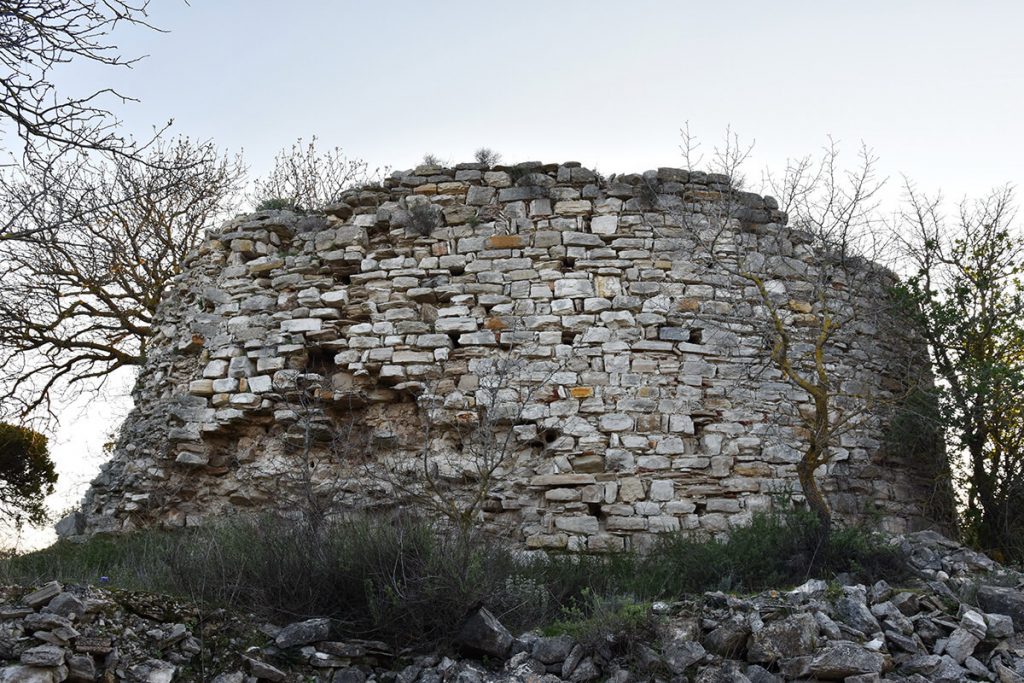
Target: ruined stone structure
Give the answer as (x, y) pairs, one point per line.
(562, 338)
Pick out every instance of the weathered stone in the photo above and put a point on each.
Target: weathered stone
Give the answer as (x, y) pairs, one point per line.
(680, 655)
(43, 655)
(153, 671)
(839, 659)
(552, 650)
(794, 636)
(66, 605)
(20, 673)
(42, 595)
(303, 632)
(1006, 601)
(482, 632)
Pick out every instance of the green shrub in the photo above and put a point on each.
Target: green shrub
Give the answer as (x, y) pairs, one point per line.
(277, 204)
(27, 475)
(614, 621)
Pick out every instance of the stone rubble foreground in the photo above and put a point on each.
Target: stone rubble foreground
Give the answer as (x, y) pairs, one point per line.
(961, 619)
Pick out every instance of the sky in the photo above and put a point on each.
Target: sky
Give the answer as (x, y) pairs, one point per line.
(935, 88)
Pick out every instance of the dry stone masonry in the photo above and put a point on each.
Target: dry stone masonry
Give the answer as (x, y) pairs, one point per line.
(553, 338)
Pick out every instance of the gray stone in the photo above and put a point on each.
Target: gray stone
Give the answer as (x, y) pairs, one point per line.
(66, 605)
(264, 671)
(19, 673)
(482, 632)
(839, 659)
(729, 639)
(153, 671)
(349, 674)
(42, 595)
(303, 633)
(83, 668)
(553, 649)
(43, 655)
(961, 645)
(852, 610)
(794, 636)
(1006, 601)
(680, 655)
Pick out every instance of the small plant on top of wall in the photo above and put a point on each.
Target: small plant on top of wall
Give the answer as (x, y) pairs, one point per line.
(431, 160)
(276, 204)
(487, 156)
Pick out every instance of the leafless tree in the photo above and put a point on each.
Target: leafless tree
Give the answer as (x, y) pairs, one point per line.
(306, 179)
(472, 437)
(99, 243)
(37, 37)
(804, 280)
(304, 480)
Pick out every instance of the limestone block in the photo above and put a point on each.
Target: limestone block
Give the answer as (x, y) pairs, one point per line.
(579, 207)
(200, 387)
(574, 288)
(604, 225)
(259, 384)
(631, 489)
(562, 495)
(215, 368)
(626, 524)
(240, 366)
(264, 264)
(302, 325)
(663, 524)
(245, 401)
(225, 386)
(653, 462)
(662, 489)
(615, 422)
(578, 524)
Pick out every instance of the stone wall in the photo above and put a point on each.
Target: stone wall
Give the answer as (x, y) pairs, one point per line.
(565, 334)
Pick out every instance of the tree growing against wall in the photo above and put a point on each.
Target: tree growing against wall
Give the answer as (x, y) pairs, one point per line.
(964, 288)
(803, 280)
(100, 242)
(473, 436)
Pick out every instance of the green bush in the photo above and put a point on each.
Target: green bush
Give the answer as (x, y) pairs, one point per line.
(27, 475)
(596, 621)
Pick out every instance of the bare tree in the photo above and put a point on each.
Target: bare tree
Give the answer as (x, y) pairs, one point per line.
(306, 179)
(473, 436)
(100, 242)
(804, 280)
(36, 37)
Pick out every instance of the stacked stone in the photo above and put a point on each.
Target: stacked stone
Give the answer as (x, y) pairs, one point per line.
(961, 618)
(635, 409)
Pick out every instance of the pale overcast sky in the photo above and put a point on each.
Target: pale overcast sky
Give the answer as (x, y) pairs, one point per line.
(935, 87)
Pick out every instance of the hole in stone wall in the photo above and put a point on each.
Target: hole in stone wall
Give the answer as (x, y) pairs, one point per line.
(696, 336)
(594, 509)
(320, 361)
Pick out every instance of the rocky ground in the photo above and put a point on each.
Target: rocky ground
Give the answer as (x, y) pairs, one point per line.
(960, 619)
